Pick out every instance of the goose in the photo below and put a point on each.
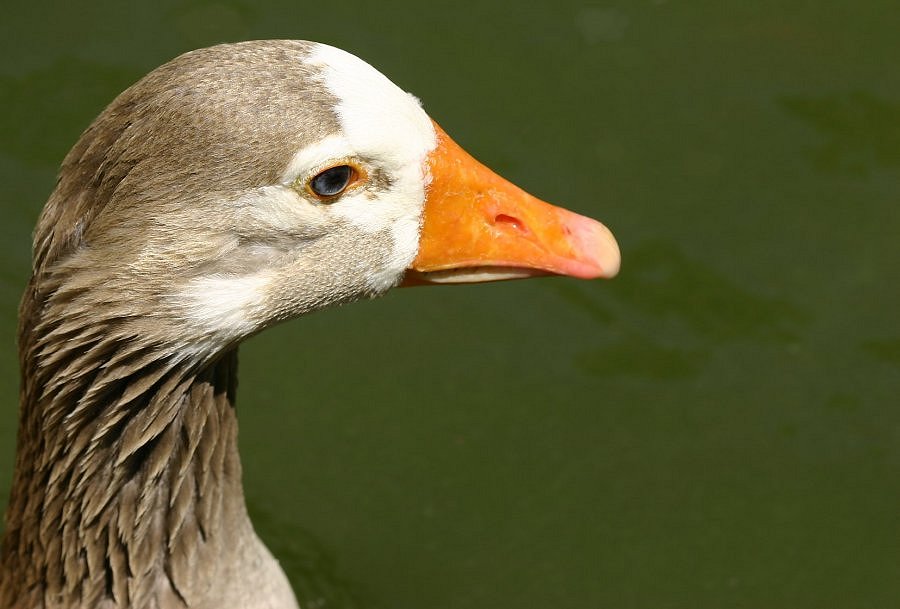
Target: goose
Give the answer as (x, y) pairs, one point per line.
(228, 190)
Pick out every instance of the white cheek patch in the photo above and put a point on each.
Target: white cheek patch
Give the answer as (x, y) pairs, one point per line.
(221, 308)
(386, 215)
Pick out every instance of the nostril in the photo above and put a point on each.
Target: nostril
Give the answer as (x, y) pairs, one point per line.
(511, 221)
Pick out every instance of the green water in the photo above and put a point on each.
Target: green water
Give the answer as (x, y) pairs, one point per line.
(718, 427)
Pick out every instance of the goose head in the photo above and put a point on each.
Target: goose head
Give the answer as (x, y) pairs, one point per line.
(244, 184)
(230, 189)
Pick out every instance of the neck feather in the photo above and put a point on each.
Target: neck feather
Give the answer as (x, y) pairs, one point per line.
(127, 486)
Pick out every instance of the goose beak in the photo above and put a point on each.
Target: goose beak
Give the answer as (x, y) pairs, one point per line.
(479, 227)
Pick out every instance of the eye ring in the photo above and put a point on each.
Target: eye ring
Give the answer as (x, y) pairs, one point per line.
(332, 182)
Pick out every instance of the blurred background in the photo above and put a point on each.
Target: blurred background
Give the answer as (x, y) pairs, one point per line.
(717, 427)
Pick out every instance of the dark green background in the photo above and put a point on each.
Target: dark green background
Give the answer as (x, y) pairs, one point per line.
(718, 427)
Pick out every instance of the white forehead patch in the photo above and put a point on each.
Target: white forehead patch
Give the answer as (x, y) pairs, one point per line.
(378, 118)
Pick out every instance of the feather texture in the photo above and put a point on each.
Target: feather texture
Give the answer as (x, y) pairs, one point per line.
(178, 227)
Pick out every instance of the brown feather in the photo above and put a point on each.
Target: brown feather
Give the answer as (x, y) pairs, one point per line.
(127, 489)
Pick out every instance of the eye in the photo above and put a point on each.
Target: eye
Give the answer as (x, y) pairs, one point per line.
(331, 182)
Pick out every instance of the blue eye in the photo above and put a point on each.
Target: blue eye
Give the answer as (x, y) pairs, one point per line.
(332, 181)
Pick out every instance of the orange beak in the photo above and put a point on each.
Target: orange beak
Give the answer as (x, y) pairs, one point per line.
(479, 227)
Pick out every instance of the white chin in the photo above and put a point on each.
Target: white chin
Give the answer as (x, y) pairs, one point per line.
(480, 274)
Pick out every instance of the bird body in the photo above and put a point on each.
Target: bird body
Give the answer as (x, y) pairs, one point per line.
(228, 190)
